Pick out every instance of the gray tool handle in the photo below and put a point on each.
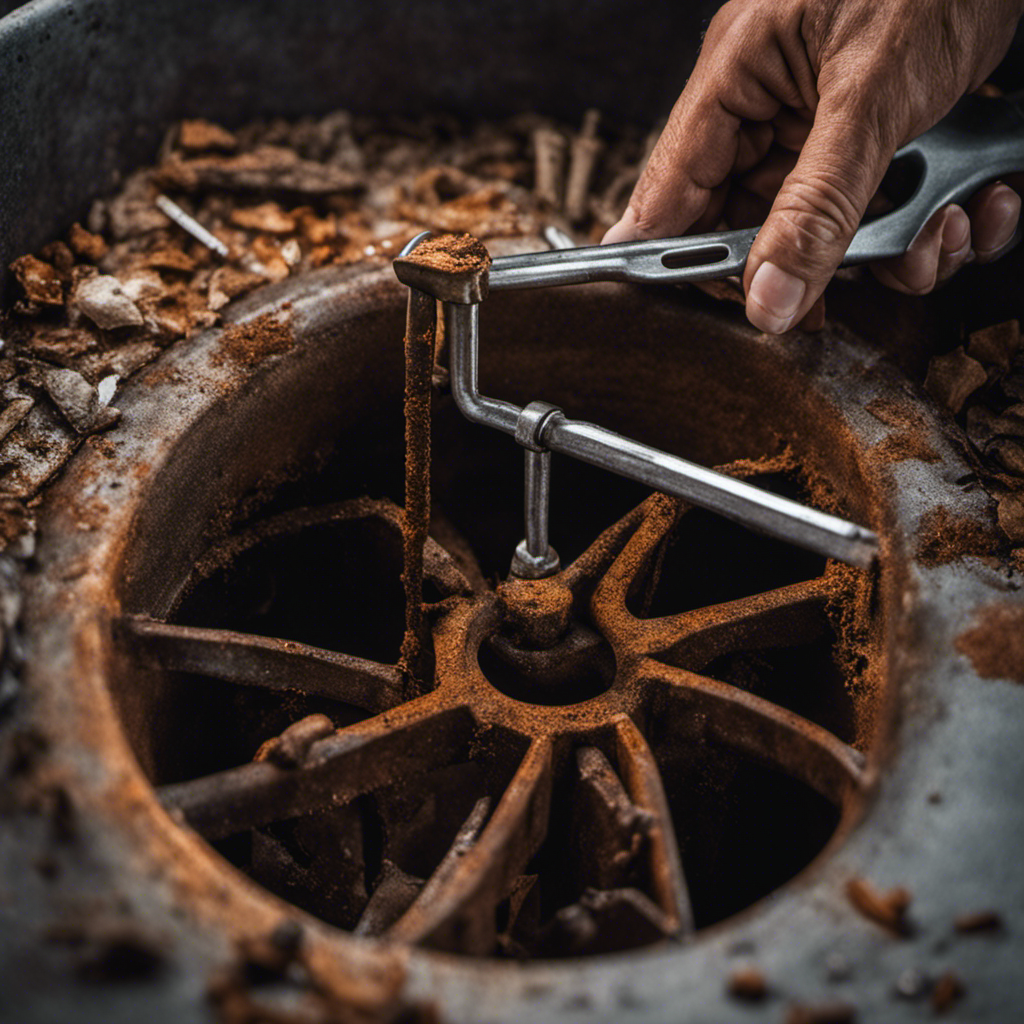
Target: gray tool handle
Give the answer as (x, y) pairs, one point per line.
(980, 140)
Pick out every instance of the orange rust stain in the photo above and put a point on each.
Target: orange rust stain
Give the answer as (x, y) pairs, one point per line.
(995, 642)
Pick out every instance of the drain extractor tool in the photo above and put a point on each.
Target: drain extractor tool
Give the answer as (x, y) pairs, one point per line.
(977, 142)
(542, 428)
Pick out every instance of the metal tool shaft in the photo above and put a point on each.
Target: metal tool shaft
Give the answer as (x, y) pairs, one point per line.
(537, 490)
(735, 499)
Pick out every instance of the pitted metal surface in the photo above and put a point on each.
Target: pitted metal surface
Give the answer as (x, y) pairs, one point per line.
(111, 599)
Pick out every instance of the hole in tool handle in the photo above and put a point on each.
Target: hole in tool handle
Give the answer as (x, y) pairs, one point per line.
(705, 256)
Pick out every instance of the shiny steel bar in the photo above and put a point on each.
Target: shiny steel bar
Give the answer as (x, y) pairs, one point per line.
(538, 489)
(761, 510)
(661, 261)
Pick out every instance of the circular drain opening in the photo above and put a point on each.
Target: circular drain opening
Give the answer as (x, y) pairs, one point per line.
(457, 816)
(575, 670)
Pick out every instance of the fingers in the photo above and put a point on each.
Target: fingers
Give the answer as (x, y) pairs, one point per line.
(952, 238)
(995, 214)
(940, 249)
(719, 125)
(694, 154)
(814, 217)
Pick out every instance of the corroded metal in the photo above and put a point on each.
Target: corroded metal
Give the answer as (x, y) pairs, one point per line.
(155, 527)
(650, 663)
(420, 339)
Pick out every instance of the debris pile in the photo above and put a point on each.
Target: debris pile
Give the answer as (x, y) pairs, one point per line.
(982, 385)
(271, 200)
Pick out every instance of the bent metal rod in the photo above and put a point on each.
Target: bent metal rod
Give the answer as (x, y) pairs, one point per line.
(542, 428)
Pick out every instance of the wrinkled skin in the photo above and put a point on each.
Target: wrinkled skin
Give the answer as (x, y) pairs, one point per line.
(793, 112)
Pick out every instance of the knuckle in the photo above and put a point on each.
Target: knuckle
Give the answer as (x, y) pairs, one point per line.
(737, 23)
(723, 21)
(857, 109)
(819, 214)
(651, 215)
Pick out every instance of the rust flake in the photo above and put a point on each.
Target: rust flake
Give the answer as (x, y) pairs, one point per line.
(249, 343)
(994, 643)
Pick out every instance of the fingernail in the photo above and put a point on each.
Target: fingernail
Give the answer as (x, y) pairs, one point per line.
(1008, 204)
(774, 298)
(956, 230)
(624, 230)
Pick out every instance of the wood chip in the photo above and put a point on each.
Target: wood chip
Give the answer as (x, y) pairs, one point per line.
(549, 147)
(140, 285)
(953, 377)
(198, 135)
(123, 360)
(60, 256)
(170, 257)
(314, 229)
(36, 449)
(1008, 454)
(62, 345)
(978, 921)
(888, 909)
(14, 410)
(585, 151)
(227, 283)
(168, 318)
(1011, 516)
(983, 424)
(995, 345)
(132, 212)
(265, 169)
(269, 260)
(39, 280)
(748, 984)
(104, 302)
(86, 244)
(76, 398)
(267, 217)
(948, 991)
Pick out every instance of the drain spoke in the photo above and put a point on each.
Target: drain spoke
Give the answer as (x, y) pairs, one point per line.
(251, 660)
(456, 910)
(657, 515)
(784, 617)
(590, 567)
(354, 760)
(757, 727)
(608, 829)
(445, 871)
(440, 567)
(643, 782)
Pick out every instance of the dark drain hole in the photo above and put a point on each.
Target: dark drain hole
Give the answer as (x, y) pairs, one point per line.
(336, 586)
(710, 560)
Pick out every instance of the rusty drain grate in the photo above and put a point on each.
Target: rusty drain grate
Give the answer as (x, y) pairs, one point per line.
(497, 811)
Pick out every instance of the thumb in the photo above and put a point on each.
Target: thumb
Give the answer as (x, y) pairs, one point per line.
(815, 216)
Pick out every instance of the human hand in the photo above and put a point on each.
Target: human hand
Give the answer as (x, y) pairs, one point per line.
(800, 105)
